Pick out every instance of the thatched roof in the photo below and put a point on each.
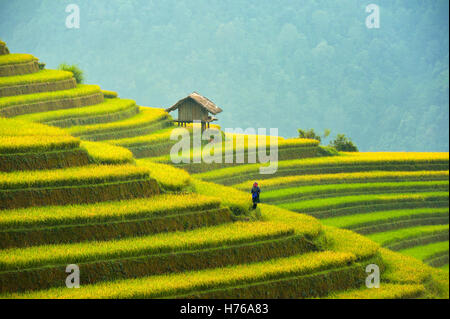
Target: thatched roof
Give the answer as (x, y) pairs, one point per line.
(200, 100)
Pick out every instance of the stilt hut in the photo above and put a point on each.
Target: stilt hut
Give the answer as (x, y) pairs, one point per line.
(195, 107)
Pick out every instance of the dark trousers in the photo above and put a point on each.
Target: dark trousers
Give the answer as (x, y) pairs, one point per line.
(255, 202)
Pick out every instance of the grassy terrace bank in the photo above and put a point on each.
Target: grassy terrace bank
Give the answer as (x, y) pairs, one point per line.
(348, 162)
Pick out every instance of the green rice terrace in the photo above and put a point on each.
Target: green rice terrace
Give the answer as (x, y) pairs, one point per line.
(86, 179)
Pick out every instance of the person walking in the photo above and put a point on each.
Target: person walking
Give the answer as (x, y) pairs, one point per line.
(255, 194)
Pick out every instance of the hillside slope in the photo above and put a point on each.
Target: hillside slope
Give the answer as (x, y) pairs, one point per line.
(142, 228)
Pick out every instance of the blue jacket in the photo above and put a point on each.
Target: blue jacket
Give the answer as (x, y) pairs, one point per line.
(256, 190)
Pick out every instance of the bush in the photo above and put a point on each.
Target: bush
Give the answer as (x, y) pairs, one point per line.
(77, 72)
(311, 134)
(344, 144)
(41, 65)
(3, 48)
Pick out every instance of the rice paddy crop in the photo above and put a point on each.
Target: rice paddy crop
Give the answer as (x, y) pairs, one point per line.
(108, 106)
(244, 141)
(40, 158)
(445, 267)
(15, 58)
(80, 90)
(169, 177)
(389, 237)
(386, 291)
(426, 251)
(14, 128)
(334, 202)
(239, 232)
(364, 219)
(364, 188)
(440, 279)
(238, 201)
(358, 177)
(248, 146)
(145, 117)
(302, 224)
(401, 268)
(71, 176)
(103, 153)
(172, 284)
(298, 142)
(342, 240)
(346, 159)
(18, 136)
(146, 224)
(28, 144)
(41, 76)
(154, 138)
(107, 211)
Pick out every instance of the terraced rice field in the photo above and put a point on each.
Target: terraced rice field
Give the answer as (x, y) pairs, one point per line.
(346, 163)
(405, 209)
(98, 113)
(147, 229)
(237, 154)
(15, 58)
(41, 76)
(146, 121)
(17, 64)
(86, 184)
(81, 95)
(148, 145)
(103, 153)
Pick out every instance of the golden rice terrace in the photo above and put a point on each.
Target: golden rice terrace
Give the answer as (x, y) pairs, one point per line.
(85, 179)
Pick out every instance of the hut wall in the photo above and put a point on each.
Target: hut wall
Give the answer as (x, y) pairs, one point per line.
(190, 111)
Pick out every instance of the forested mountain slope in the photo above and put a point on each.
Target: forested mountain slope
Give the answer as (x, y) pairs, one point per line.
(308, 64)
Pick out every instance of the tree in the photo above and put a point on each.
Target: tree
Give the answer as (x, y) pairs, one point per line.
(311, 134)
(344, 144)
